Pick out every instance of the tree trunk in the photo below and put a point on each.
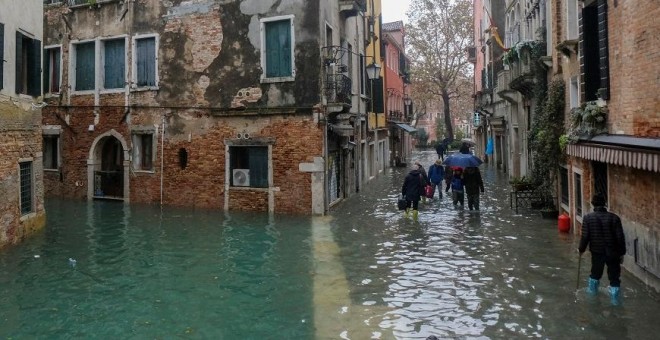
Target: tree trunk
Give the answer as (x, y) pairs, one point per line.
(448, 125)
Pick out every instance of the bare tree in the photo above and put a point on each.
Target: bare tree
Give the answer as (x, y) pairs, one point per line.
(437, 35)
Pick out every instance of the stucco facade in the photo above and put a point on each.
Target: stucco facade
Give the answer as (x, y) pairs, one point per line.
(21, 182)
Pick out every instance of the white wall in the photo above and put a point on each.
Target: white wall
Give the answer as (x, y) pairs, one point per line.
(26, 16)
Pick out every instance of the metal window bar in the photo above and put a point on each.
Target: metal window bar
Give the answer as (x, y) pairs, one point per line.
(26, 187)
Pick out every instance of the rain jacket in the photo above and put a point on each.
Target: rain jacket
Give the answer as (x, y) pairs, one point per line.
(472, 180)
(602, 231)
(436, 173)
(413, 186)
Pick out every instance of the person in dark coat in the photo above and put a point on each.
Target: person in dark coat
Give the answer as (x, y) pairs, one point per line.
(436, 175)
(473, 185)
(440, 150)
(465, 148)
(449, 174)
(413, 188)
(426, 179)
(603, 233)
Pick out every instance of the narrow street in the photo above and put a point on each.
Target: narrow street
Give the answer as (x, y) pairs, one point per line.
(457, 273)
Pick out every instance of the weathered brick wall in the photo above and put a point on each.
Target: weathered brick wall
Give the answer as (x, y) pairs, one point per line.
(634, 108)
(20, 138)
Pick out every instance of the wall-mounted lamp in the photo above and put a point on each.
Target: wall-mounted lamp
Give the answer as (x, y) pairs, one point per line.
(407, 100)
(373, 71)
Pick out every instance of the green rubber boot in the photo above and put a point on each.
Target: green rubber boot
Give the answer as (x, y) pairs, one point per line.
(405, 213)
(415, 214)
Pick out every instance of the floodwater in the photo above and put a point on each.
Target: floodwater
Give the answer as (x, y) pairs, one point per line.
(105, 270)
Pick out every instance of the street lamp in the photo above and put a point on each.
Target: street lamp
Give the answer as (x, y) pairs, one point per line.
(407, 100)
(373, 71)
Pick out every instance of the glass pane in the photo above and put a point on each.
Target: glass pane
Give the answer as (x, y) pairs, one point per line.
(114, 64)
(258, 167)
(146, 62)
(85, 66)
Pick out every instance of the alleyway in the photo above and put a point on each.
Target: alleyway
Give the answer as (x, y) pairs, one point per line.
(460, 273)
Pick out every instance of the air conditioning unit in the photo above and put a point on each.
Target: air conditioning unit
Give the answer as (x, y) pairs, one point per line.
(241, 177)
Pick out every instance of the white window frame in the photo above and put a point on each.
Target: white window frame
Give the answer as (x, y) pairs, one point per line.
(101, 67)
(578, 171)
(54, 130)
(73, 55)
(59, 81)
(572, 29)
(32, 212)
(134, 86)
(148, 130)
(262, 33)
(568, 185)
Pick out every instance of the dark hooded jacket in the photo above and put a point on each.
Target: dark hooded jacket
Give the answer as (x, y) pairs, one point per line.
(603, 233)
(473, 181)
(413, 186)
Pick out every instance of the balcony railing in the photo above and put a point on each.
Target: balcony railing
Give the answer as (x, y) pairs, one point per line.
(338, 89)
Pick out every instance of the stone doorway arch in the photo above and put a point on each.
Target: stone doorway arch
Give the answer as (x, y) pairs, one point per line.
(108, 165)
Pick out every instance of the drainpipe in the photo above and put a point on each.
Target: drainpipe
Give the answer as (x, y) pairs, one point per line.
(162, 162)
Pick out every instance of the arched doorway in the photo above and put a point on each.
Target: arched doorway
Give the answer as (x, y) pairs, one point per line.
(107, 168)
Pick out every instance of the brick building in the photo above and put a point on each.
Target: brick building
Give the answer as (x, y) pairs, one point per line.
(610, 62)
(204, 103)
(21, 182)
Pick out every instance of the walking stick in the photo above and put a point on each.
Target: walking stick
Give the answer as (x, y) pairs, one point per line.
(577, 284)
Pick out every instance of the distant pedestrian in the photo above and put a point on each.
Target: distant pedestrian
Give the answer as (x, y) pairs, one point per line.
(436, 175)
(413, 187)
(603, 233)
(473, 185)
(458, 188)
(465, 148)
(440, 150)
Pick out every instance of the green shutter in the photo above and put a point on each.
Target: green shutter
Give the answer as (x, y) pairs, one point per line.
(114, 65)
(34, 68)
(146, 62)
(377, 96)
(258, 160)
(2, 55)
(19, 63)
(85, 70)
(278, 49)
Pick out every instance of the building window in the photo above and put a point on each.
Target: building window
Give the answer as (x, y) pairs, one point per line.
(146, 62)
(362, 73)
(563, 173)
(574, 92)
(27, 194)
(594, 51)
(277, 54)
(51, 152)
(600, 178)
(28, 65)
(84, 64)
(114, 63)
(249, 166)
(571, 19)
(52, 75)
(577, 181)
(143, 151)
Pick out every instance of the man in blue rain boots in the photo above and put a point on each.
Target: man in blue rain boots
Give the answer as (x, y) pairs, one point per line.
(603, 233)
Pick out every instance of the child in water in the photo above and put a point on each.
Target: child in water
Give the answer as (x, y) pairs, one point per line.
(457, 187)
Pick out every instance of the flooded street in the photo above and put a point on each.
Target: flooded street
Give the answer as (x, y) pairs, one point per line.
(105, 270)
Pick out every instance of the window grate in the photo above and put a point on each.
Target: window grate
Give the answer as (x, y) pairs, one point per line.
(26, 187)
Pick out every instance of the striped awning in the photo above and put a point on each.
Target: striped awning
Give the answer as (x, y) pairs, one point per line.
(634, 152)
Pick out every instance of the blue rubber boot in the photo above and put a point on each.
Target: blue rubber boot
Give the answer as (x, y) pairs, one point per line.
(592, 286)
(614, 295)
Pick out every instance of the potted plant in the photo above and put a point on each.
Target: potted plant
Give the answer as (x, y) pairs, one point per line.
(521, 183)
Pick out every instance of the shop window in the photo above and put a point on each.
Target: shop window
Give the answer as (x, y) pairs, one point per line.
(249, 166)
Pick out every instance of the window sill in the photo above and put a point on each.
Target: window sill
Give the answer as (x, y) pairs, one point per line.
(249, 189)
(28, 216)
(82, 93)
(146, 88)
(52, 170)
(578, 218)
(112, 91)
(51, 95)
(277, 80)
(144, 171)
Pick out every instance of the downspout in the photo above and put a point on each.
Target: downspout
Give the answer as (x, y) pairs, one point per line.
(162, 161)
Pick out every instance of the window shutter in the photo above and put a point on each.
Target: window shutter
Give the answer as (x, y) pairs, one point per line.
(19, 63)
(114, 66)
(34, 68)
(146, 62)
(46, 67)
(278, 49)
(258, 160)
(55, 81)
(603, 53)
(85, 66)
(2, 54)
(377, 96)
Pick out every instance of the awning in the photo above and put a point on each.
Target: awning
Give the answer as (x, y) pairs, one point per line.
(406, 127)
(628, 151)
